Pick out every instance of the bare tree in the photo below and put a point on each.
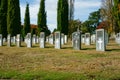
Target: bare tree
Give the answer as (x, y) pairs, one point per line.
(71, 16)
(107, 14)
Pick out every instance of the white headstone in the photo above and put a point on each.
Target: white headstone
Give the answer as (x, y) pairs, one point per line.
(34, 39)
(37, 39)
(57, 40)
(51, 39)
(62, 39)
(93, 39)
(87, 39)
(42, 40)
(83, 38)
(18, 40)
(117, 38)
(47, 39)
(13, 40)
(66, 39)
(9, 40)
(4, 40)
(29, 40)
(106, 38)
(76, 40)
(100, 40)
(1, 40)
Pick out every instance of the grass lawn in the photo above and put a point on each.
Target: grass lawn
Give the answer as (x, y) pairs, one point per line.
(64, 64)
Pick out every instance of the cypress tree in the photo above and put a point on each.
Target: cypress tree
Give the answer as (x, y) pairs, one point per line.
(13, 18)
(27, 28)
(0, 3)
(62, 16)
(42, 17)
(3, 18)
(116, 10)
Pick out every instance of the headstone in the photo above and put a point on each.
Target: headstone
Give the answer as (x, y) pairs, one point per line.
(37, 39)
(66, 39)
(47, 39)
(25, 39)
(100, 40)
(83, 38)
(51, 39)
(117, 38)
(93, 39)
(76, 40)
(42, 40)
(29, 40)
(87, 39)
(106, 38)
(13, 40)
(34, 39)
(9, 40)
(4, 40)
(62, 39)
(18, 40)
(1, 40)
(57, 40)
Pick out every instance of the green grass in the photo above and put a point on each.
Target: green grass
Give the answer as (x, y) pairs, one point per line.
(64, 64)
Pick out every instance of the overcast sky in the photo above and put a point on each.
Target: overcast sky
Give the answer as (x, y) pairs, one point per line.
(82, 10)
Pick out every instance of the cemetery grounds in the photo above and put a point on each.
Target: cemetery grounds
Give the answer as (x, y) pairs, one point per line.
(60, 64)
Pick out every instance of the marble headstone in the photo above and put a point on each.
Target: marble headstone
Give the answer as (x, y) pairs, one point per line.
(1, 40)
(34, 39)
(51, 39)
(66, 39)
(29, 40)
(93, 39)
(57, 40)
(62, 39)
(76, 40)
(18, 40)
(42, 40)
(9, 40)
(87, 39)
(83, 38)
(106, 38)
(100, 40)
(117, 38)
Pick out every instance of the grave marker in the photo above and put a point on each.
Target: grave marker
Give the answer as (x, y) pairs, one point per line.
(18, 40)
(87, 39)
(76, 40)
(66, 39)
(29, 40)
(57, 40)
(62, 39)
(100, 40)
(42, 40)
(1, 40)
(9, 40)
(83, 38)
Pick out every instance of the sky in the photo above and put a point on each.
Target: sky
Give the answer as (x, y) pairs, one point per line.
(82, 10)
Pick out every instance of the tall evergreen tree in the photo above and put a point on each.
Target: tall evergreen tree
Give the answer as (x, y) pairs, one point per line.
(3, 18)
(42, 17)
(62, 16)
(26, 28)
(0, 3)
(116, 11)
(13, 17)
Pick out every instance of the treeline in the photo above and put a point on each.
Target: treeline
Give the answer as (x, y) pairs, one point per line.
(107, 17)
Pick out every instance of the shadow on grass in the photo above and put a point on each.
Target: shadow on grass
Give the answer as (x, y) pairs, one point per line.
(88, 49)
(113, 50)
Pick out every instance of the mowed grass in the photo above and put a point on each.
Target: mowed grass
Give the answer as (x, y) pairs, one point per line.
(64, 64)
